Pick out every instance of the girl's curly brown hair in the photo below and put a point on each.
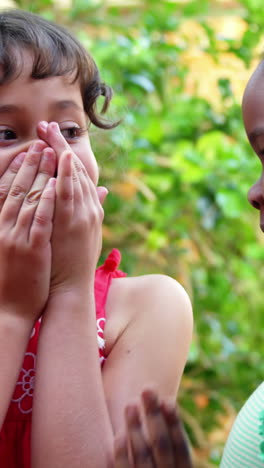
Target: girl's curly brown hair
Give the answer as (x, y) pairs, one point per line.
(55, 52)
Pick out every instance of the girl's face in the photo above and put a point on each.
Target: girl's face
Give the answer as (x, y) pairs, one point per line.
(253, 115)
(24, 102)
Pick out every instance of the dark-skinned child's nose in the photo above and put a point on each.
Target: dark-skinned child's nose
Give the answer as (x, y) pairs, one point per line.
(256, 194)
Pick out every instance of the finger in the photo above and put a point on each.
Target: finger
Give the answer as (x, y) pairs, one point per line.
(52, 136)
(121, 458)
(8, 177)
(139, 448)
(22, 184)
(80, 189)
(179, 440)
(102, 193)
(41, 229)
(45, 172)
(42, 130)
(88, 187)
(83, 176)
(85, 191)
(8, 154)
(159, 435)
(64, 188)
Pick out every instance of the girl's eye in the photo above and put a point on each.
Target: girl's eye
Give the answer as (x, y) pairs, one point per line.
(7, 135)
(72, 133)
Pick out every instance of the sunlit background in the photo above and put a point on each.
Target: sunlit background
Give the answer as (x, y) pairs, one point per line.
(178, 169)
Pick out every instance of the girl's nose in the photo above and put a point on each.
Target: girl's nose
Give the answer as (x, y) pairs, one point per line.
(256, 194)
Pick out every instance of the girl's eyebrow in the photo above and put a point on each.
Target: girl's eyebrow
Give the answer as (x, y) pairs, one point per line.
(9, 108)
(57, 105)
(65, 104)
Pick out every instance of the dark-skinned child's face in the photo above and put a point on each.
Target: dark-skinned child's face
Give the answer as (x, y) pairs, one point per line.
(253, 115)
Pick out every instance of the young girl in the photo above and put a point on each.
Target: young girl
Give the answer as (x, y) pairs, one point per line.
(85, 341)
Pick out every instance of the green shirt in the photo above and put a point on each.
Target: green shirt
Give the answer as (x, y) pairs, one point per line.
(244, 444)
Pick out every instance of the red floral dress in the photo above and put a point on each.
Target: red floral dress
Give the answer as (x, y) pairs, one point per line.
(15, 433)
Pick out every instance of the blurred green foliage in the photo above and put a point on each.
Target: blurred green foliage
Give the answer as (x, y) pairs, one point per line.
(178, 168)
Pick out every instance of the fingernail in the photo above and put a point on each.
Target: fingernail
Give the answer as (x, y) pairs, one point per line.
(37, 147)
(48, 153)
(170, 407)
(149, 395)
(43, 124)
(151, 401)
(102, 194)
(51, 183)
(20, 158)
(132, 414)
(55, 127)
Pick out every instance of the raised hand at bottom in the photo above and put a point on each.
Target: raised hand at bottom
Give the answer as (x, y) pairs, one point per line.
(155, 439)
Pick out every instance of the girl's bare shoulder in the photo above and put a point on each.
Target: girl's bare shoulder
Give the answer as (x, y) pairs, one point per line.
(133, 300)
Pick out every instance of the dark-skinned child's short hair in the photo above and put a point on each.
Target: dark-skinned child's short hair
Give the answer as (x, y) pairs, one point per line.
(55, 52)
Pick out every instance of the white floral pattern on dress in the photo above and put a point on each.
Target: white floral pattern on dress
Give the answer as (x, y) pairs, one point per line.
(100, 332)
(25, 386)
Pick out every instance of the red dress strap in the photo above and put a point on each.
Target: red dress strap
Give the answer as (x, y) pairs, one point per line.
(103, 278)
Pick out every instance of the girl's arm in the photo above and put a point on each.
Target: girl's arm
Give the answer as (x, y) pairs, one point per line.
(71, 425)
(25, 259)
(148, 333)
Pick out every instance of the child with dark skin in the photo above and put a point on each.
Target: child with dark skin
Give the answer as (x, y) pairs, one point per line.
(245, 444)
(50, 240)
